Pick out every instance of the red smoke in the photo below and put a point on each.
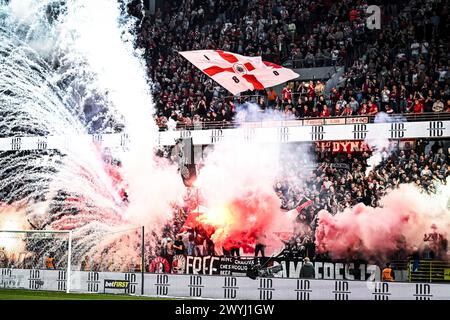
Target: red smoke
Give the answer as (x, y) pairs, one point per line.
(117, 180)
(85, 211)
(240, 222)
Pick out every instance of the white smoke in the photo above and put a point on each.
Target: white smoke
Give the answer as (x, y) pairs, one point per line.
(405, 214)
(26, 10)
(92, 34)
(234, 166)
(250, 111)
(171, 125)
(381, 147)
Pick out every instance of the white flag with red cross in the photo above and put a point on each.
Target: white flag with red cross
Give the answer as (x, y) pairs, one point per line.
(238, 73)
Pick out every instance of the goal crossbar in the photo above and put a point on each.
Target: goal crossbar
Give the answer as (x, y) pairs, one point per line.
(36, 231)
(69, 253)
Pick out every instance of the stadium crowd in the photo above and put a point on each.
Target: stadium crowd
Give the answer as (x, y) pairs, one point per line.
(402, 68)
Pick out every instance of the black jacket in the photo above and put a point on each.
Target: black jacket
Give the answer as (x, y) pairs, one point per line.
(308, 271)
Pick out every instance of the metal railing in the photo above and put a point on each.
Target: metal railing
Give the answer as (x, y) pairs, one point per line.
(428, 271)
(293, 122)
(313, 62)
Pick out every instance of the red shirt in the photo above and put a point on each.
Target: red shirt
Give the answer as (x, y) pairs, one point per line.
(348, 111)
(365, 87)
(373, 109)
(362, 111)
(325, 113)
(418, 108)
(311, 91)
(409, 103)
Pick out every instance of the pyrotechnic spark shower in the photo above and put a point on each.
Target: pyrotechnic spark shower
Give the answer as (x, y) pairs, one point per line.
(70, 68)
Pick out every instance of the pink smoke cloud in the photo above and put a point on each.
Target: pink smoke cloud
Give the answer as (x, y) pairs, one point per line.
(404, 217)
(246, 220)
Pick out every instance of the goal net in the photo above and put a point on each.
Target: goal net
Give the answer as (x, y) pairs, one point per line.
(37, 250)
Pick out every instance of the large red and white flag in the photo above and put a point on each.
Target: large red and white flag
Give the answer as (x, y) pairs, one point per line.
(238, 73)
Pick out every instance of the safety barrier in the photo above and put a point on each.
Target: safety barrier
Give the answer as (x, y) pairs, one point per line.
(428, 271)
(314, 62)
(440, 116)
(220, 287)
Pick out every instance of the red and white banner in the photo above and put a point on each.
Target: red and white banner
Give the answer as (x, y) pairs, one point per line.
(238, 73)
(270, 124)
(408, 144)
(313, 122)
(342, 146)
(335, 121)
(350, 146)
(357, 120)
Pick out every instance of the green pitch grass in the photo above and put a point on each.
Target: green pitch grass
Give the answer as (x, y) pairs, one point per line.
(16, 294)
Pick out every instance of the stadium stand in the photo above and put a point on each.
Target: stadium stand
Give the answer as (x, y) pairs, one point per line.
(338, 182)
(400, 69)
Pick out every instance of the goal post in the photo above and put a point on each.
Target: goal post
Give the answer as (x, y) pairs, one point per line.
(6, 244)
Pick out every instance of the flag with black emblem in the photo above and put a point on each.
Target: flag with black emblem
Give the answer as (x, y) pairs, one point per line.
(238, 73)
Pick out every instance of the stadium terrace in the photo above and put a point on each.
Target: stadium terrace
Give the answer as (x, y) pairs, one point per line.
(212, 149)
